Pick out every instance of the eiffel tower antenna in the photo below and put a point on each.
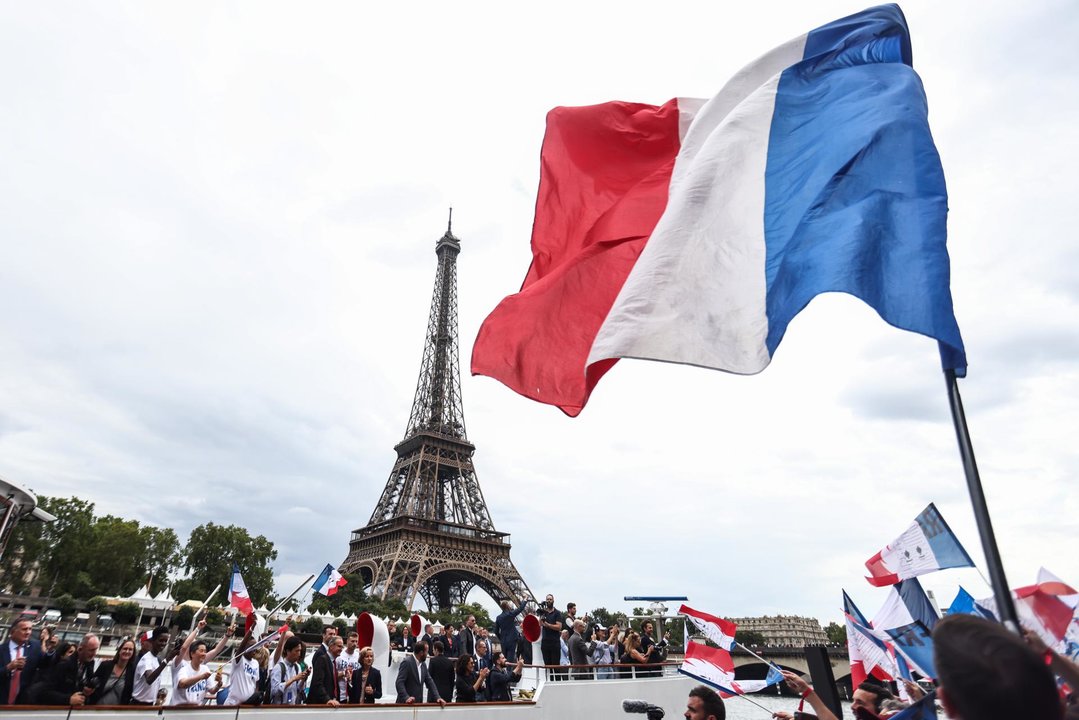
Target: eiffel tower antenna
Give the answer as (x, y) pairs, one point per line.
(430, 534)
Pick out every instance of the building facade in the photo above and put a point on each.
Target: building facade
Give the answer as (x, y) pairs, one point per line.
(785, 630)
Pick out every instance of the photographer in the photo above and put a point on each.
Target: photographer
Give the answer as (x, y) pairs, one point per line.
(551, 622)
(653, 651)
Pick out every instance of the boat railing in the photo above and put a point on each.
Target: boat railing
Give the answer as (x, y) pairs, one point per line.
(589, 673)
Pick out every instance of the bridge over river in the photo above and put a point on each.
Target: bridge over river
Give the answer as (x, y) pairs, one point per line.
(747, 667)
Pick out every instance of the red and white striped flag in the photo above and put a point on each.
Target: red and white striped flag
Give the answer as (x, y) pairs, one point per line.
(716, 629)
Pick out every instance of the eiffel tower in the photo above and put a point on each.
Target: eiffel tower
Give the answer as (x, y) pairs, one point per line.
(431, 534)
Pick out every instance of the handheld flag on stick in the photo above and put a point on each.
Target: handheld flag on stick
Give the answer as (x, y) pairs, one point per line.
(329, 581)
(238, 597)
(716, 629)
(927, 545)
(715, 667)
(695, 231)
(873, 659)
(712, 666)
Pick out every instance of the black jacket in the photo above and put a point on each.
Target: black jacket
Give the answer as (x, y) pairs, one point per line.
(443, 673)
(323, 680)
(104, 675)
(355, 691)
(62, 681)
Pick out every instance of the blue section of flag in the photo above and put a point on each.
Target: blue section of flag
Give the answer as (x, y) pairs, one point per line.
(917, 602)
(322, 579)
(232, 578)
(904, 668)
(851, 609)
(855, 198)
(962, 605)
(924, 709)
(946, 548)
(916, 642)
(774, 675)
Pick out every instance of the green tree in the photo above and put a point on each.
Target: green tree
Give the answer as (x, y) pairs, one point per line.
(349, 599)
(836, 633)
(115, 568)
(184, 616)
(67, 543)
(97, 604)
(126, 613)
(750, 637)
(312, 625)
(66, 605)
(161, 555)
(212, 549)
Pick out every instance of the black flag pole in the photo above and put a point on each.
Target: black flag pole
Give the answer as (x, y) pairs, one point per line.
(1001, 591)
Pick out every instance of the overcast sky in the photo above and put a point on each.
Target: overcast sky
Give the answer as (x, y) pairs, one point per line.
(217, 229)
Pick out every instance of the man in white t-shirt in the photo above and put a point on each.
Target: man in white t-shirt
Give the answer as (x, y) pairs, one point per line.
(346, 663)
(244, 675)
(148, 670)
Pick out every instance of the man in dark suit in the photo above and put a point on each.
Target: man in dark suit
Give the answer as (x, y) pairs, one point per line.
(20, 658)
(467, 637)
(412, 676)
(71, 681)
(428, 636)
(442, 671)
(324, 675)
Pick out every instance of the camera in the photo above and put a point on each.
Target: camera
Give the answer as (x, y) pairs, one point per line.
(545, 606)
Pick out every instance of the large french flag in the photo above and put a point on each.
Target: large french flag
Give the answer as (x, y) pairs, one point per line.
(693, 232)
(716, 629)
(926, 546)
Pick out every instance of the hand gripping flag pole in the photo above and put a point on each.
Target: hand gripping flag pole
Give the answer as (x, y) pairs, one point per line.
(1001, 592)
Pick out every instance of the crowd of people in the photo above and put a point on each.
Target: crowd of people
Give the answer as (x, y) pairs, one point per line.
(985, 671)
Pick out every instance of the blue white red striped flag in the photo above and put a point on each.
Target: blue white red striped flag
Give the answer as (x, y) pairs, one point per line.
(716, 629)
(238, 597)
(906, 603)
(927, 546)
(694, 232)
(329, 581)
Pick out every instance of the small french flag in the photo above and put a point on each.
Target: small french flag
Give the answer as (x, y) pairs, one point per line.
(238, 597)
(328, 581)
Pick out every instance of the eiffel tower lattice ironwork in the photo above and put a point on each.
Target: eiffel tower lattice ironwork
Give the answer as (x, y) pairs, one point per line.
(431, 534)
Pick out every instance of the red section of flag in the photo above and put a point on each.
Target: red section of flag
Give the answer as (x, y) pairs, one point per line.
(604, 177)
(1054, 614)
(881, 576)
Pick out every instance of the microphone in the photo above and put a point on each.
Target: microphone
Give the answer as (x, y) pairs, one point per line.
(655, 712)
